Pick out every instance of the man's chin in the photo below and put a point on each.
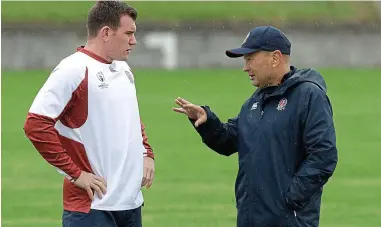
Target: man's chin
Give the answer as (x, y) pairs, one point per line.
(123, 58)
(254, 83)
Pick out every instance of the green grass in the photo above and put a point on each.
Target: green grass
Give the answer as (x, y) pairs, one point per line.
(281, 12)
(193, 185)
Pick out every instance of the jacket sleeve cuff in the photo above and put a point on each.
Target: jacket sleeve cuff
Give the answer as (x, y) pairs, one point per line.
(74, 175)
(149, 154)
(209, 123)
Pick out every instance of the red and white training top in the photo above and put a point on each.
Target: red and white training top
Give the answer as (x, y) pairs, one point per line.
(86, 117)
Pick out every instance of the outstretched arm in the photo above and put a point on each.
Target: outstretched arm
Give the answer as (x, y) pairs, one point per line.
(218, 136)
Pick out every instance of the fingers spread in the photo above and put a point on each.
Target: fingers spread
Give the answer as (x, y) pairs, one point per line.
(182, 101)
(188, 106)
(179, 103)
(179, 110)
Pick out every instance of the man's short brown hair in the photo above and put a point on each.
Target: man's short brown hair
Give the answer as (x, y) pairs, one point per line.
(108, 13)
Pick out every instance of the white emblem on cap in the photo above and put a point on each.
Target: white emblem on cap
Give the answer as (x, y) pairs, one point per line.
(247, 36)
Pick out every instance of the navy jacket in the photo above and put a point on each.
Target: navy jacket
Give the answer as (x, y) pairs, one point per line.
(286, 144)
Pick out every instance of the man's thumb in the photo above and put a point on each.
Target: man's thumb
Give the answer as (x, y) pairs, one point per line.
(197, 123)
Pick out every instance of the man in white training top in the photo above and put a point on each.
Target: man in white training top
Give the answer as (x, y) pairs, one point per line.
(85, 122)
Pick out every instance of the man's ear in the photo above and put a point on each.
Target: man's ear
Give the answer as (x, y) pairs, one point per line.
(105, 33)
(276, 58)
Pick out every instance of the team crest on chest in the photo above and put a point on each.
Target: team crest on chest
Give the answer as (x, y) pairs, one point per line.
(102, 79)
(112, 67)
(282, 104)
(129, 75)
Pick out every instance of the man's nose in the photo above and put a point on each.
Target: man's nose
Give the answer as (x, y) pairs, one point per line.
(132, 41)
(245, 68)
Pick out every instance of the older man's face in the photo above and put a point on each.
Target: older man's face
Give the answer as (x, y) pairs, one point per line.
(259, 66)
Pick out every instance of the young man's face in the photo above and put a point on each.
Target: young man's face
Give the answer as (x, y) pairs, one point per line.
(122, 39)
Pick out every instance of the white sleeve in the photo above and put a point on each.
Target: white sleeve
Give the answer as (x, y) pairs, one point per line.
(47, 106)
(57, 90)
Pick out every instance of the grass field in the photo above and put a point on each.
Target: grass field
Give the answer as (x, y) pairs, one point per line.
(313, 12)
(193, 185)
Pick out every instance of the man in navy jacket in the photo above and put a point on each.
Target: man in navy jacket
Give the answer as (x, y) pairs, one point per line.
(284, 135)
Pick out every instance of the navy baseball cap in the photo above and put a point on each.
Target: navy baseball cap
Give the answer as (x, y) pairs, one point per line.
(265, 38)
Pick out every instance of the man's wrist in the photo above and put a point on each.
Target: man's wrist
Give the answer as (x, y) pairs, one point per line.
(149, 154)
(71, 179)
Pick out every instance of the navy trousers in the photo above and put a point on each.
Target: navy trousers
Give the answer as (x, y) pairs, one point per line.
(99, 218)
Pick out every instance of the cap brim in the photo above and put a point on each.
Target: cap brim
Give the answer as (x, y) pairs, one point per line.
(239, 52)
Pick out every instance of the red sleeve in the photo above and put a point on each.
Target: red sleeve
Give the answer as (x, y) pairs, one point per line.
(148, 147)
(52, 101)
(41, 132)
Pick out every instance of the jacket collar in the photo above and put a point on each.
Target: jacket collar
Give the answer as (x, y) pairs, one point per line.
(287, 81)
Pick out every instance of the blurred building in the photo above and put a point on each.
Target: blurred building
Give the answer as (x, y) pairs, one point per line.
(195, 44)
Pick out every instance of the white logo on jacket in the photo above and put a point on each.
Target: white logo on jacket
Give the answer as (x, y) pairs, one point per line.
(282, 104)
